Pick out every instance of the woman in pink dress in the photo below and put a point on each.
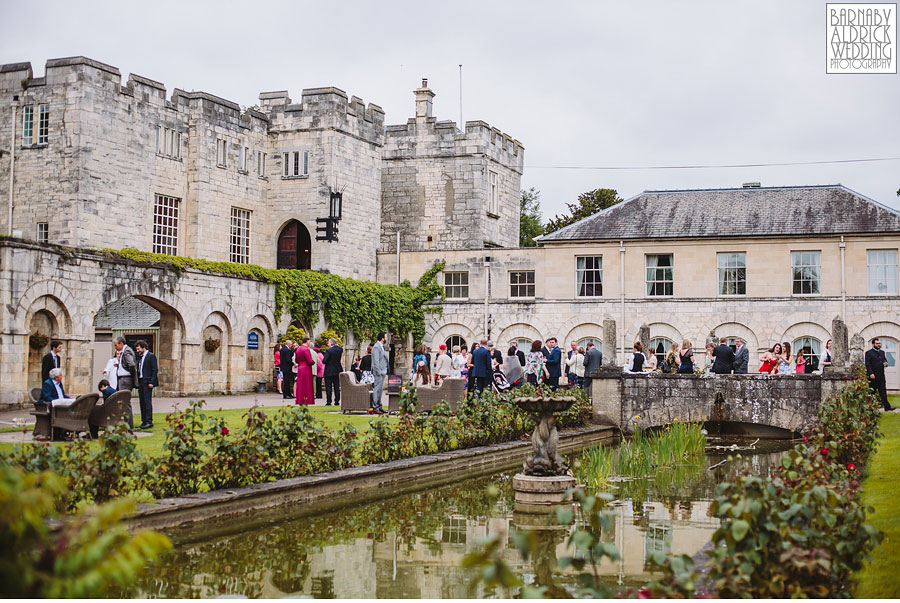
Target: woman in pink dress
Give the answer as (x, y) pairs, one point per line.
(304, 360)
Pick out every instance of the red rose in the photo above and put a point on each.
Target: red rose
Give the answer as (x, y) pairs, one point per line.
(851, 466)
(805, 438)
(824, 452)
(224, 431)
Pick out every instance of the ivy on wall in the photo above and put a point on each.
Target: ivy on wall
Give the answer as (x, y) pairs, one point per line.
(364, 307)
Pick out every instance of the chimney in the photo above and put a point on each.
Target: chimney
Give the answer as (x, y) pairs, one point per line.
(423, 99)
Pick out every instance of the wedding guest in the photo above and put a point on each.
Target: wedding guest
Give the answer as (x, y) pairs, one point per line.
(637, 358)
(51, 359)
(106, 389)
(770, 359)
(422, 375)
(305, 363)
(783, 361)
(512, 368)
(575, 366)
(535, 369)
(686, 358)
(111, 370)
(443, 365)
(825, 363)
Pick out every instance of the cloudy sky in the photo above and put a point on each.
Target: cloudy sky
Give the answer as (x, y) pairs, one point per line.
(589, 84)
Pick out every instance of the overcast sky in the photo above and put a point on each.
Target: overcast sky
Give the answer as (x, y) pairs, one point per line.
(579, 84)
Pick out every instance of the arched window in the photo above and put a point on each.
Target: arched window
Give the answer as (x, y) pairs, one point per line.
(660, 347)
(454, 340)
(523, 343)
(811, 348)
(582, 343)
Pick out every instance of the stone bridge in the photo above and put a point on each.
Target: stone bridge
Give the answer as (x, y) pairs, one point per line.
(58, 291)
(747, 404)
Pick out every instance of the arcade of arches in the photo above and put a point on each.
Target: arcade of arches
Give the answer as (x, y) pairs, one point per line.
(86, 300)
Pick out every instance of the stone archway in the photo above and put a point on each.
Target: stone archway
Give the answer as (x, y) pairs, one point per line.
(42, 322)
(294, 247)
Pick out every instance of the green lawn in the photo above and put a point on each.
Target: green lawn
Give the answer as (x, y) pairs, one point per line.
(152, 445)
(879, 578)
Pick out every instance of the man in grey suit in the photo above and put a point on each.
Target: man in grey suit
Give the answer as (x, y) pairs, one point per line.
(593, 358)
(379, 369)
(741, 357)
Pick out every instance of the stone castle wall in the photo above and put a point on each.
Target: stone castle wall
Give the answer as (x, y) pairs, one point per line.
(436, 184)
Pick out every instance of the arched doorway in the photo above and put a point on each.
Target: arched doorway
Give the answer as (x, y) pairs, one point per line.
(294, 244)
(42, 323)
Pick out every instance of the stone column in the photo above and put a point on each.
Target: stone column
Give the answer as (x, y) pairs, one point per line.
(609, 342)
(857, 350)
(840, 348)
(644, 338)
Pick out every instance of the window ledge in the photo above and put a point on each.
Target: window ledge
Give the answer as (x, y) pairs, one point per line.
(164, 156)
(244, 172)
(522, 299)
(266, 178)
(806, 295)
(301, 177)
(589, 297)
(220, 165)
(36, 145)
(456, 299)
(492, 215)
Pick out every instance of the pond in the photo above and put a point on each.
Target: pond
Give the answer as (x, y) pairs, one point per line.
(411, 545)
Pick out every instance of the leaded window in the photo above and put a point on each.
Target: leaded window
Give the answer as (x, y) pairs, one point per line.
(43, 124)
(165, 224)
(240, 236)
(28, 125)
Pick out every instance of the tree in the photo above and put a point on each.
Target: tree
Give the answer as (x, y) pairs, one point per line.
(587, 204)
(530, 218)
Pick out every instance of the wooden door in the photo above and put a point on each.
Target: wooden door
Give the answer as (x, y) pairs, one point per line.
(294, 247)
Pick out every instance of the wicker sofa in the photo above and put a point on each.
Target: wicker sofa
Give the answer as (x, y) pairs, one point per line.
(452, 390)
(73, 418)
(355, 397)
(108, 413)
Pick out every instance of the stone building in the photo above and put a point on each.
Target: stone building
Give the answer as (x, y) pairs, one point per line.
(99, 164)
(765, 264)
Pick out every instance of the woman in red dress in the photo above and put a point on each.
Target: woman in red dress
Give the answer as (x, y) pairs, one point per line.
(304, 361)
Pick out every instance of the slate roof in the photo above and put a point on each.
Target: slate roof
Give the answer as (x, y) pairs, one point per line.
(127, 313)
(735, 212)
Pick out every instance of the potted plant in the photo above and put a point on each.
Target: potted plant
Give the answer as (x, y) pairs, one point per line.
(211, 344)
(38, 340)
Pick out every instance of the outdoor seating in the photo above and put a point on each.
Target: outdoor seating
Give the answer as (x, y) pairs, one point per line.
(74, 418)
(354, 396)
(41, 414)
(452, 390)
(108, 413)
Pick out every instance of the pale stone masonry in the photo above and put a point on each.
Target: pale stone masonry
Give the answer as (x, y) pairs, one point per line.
(446, 189)
(109, 154)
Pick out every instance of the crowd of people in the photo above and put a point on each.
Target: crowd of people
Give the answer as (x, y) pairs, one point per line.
(303, 369)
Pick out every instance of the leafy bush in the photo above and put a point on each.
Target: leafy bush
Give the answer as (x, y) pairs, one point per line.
(322, 339)
(294, 333)
(177, 471)
(89, 554)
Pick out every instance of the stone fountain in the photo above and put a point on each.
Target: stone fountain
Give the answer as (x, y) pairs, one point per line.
(545, 476)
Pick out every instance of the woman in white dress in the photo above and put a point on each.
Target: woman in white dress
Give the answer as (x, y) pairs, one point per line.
(110, 373)
(457, 362)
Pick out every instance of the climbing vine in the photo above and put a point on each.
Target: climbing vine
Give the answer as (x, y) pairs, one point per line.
(364, 307)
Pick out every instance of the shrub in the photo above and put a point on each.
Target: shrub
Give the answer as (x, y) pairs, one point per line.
(322, 339)
(89, 554)
(177, 471)
(293, 333)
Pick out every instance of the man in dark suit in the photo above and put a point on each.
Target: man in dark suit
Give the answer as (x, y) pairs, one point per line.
(286, 363)
(51, 359)
(741, 357)
(333, 368)
(875, 363)
(554, 363)
(481, 366)
(519, 353)
(147, 371)
(593, 359)
(724, 356)
(496, 355)
(52, 388)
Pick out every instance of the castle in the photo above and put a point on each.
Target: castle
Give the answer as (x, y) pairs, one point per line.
(101, 164)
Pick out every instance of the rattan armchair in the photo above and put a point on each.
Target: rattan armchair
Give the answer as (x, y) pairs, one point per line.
(75, 417)
(41, 414)
(108, 413)
(452, 390)
(354, 396)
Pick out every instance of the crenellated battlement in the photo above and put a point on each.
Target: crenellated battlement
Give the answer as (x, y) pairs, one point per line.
(327, 107)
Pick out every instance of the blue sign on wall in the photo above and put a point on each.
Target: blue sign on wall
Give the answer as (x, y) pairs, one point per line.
(253, 341)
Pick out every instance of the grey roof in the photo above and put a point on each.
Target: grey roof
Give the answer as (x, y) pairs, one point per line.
(735, 212)
(127, 313)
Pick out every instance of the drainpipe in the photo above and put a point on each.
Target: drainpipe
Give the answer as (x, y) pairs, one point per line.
(843, 283)
(12, 167)
(398, 258)
(487, 284)
(621, 360)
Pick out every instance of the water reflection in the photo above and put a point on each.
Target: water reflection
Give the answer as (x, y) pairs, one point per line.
(411, 546)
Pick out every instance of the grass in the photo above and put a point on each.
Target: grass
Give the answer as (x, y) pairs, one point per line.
(878, 579)
(151, 446)
(645, 454)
